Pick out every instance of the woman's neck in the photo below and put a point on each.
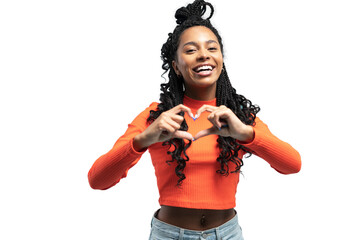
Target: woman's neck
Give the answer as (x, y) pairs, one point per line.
(202, 94)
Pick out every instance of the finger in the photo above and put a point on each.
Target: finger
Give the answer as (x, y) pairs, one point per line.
(166, 116)
(204, 108)
(206, 132)
(217, 118)
(177, 118)
(214, 119)
(175, 125)
(183, 134)
(166, 128)
(181, 108)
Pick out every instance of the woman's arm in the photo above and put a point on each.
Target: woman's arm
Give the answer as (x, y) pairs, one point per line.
(258, 139)
(279, 154)
(114, 165)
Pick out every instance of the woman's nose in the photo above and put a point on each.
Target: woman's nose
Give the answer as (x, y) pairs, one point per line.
(203, 55)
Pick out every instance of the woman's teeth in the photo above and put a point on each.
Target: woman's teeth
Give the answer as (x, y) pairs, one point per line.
(203, 68)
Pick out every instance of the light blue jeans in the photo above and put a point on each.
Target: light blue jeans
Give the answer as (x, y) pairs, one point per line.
(230, 230)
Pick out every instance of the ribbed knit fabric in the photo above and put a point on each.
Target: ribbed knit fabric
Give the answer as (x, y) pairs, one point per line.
(203, 188)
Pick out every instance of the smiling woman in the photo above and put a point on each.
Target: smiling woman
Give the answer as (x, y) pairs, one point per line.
(199, 62)
(196, 135)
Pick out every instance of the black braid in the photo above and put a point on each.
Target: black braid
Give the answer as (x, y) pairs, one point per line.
(172, 94)
(244, 110)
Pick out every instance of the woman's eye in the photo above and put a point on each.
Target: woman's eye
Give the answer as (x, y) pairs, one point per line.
(190, 50)
(213, 49)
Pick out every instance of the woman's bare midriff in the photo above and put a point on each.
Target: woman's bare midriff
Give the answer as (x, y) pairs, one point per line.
(194, 219)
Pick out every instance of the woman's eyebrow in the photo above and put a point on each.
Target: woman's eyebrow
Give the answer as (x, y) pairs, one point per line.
(196, 44)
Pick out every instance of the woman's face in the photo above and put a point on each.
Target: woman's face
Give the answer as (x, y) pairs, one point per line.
(199, 61)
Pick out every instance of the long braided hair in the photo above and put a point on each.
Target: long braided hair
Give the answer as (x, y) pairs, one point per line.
(172, 94)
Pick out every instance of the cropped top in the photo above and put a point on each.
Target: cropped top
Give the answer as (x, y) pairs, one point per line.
(203, 187)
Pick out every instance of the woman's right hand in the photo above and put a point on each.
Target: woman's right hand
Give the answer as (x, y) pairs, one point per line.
(164, 128)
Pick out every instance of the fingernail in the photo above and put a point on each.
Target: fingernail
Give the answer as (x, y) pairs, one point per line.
(193, 139)
(194, 118)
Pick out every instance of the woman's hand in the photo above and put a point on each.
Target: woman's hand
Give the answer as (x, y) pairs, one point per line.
(165, 127)
(225, 123)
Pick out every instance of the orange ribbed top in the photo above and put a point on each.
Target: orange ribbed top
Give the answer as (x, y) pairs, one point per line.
(203, 188)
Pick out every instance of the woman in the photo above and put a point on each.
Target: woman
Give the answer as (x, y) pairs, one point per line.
(196, 136)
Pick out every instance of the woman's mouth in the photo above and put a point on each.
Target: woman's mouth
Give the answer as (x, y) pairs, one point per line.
(203, 70)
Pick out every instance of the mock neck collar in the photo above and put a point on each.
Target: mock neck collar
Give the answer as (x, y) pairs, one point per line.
(192, 103)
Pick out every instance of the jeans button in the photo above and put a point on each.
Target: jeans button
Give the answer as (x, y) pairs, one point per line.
(204, 235)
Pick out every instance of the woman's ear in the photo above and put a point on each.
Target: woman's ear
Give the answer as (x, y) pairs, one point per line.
(175, 68)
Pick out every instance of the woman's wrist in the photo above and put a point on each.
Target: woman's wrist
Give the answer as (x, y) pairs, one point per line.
(139, 143)
(247, 135)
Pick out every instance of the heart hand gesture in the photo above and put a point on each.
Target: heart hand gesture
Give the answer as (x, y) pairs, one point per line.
(225, 123)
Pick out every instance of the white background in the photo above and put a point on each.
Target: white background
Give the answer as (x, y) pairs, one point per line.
(75, 73)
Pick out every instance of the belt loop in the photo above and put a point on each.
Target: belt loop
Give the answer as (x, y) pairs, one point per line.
(181, 234)
(217, 234)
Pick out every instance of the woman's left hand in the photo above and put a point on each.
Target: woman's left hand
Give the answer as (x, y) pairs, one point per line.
(225, 123)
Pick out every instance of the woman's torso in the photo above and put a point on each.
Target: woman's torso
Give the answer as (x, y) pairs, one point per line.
(194, 219)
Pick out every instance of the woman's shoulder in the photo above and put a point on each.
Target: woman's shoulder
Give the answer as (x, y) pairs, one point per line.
(141, 118)
(152, 107)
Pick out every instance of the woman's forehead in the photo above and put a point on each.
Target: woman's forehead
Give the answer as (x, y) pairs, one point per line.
(197, 35)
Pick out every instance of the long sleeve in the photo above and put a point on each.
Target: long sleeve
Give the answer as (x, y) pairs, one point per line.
(279, 154)
(114, 165)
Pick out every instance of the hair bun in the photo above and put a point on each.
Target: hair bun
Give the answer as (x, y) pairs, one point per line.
(193, 11)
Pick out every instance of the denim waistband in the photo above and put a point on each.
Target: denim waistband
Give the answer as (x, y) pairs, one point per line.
(223, 229)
